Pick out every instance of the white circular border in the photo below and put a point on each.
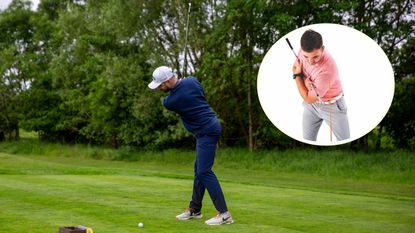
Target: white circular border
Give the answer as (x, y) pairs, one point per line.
(365, 72)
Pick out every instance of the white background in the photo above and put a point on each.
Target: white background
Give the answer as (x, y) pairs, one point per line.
(365, 72)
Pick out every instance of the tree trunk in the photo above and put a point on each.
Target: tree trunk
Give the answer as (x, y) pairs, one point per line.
(360, 143)
(250, 136)
(379, 138)
(17, 134)
(114, 141)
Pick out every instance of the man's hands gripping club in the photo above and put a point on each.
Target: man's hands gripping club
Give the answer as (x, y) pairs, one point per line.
(303, 83)
(297, 67)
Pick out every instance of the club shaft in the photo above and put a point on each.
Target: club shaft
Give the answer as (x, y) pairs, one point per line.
(291, 47)
(185, 41)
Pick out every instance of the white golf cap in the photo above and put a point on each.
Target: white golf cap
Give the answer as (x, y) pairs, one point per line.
(160, 75)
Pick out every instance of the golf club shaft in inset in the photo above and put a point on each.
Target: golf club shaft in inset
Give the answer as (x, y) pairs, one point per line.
(291, 47)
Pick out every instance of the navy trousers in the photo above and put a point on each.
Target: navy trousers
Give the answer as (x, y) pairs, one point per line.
(204, 177)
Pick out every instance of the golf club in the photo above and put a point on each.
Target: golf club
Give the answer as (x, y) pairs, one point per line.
(184, 67)
(291, 47)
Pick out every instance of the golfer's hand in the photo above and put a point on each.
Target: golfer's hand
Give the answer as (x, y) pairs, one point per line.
(297, 67)
(308, 83)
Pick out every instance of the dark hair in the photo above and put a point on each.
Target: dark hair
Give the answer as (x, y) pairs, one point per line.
(311, 40)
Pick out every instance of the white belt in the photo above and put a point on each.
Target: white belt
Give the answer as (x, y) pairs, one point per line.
(333, 100)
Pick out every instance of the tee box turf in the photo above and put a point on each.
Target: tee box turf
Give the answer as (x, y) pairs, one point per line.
(75, 229)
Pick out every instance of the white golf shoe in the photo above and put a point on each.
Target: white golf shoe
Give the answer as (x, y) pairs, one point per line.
(189, 214)
(223, 218)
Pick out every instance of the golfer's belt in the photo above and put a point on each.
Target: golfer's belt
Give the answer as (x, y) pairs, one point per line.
(333, 100)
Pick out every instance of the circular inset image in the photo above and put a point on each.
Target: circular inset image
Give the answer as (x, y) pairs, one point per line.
(325, 84)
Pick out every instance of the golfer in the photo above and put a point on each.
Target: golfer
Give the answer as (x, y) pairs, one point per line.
(318, 82)
(187, 98)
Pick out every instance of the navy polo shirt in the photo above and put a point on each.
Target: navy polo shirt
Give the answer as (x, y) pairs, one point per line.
(187, 99)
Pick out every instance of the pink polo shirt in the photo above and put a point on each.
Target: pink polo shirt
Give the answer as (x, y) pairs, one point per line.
(324, 75)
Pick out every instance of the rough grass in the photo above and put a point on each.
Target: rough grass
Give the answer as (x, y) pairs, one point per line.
(384, 166)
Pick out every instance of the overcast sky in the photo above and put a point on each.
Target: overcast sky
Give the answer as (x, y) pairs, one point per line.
(5, 3)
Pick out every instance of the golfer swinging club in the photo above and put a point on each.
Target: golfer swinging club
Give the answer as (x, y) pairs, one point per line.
(318, 82)
(187, 98)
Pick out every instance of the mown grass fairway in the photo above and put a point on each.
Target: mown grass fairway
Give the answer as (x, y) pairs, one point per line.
(39, 193)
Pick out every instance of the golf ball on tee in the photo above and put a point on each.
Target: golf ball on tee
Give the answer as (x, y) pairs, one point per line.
(140, 224)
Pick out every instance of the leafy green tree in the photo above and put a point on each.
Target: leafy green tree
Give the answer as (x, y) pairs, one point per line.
(77, 71)
(17, 67)
(100, 73)
(400, 121)
(40, 103)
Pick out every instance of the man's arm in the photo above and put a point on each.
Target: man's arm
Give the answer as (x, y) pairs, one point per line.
(308, 96)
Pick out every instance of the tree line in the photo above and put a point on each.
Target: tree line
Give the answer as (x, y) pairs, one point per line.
(76, 71)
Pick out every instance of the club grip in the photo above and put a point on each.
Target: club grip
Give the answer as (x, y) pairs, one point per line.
(289, 44)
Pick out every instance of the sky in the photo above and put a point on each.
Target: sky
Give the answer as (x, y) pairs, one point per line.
(5, 3)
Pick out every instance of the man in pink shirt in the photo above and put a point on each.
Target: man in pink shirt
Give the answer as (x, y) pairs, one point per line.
(318, 82)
